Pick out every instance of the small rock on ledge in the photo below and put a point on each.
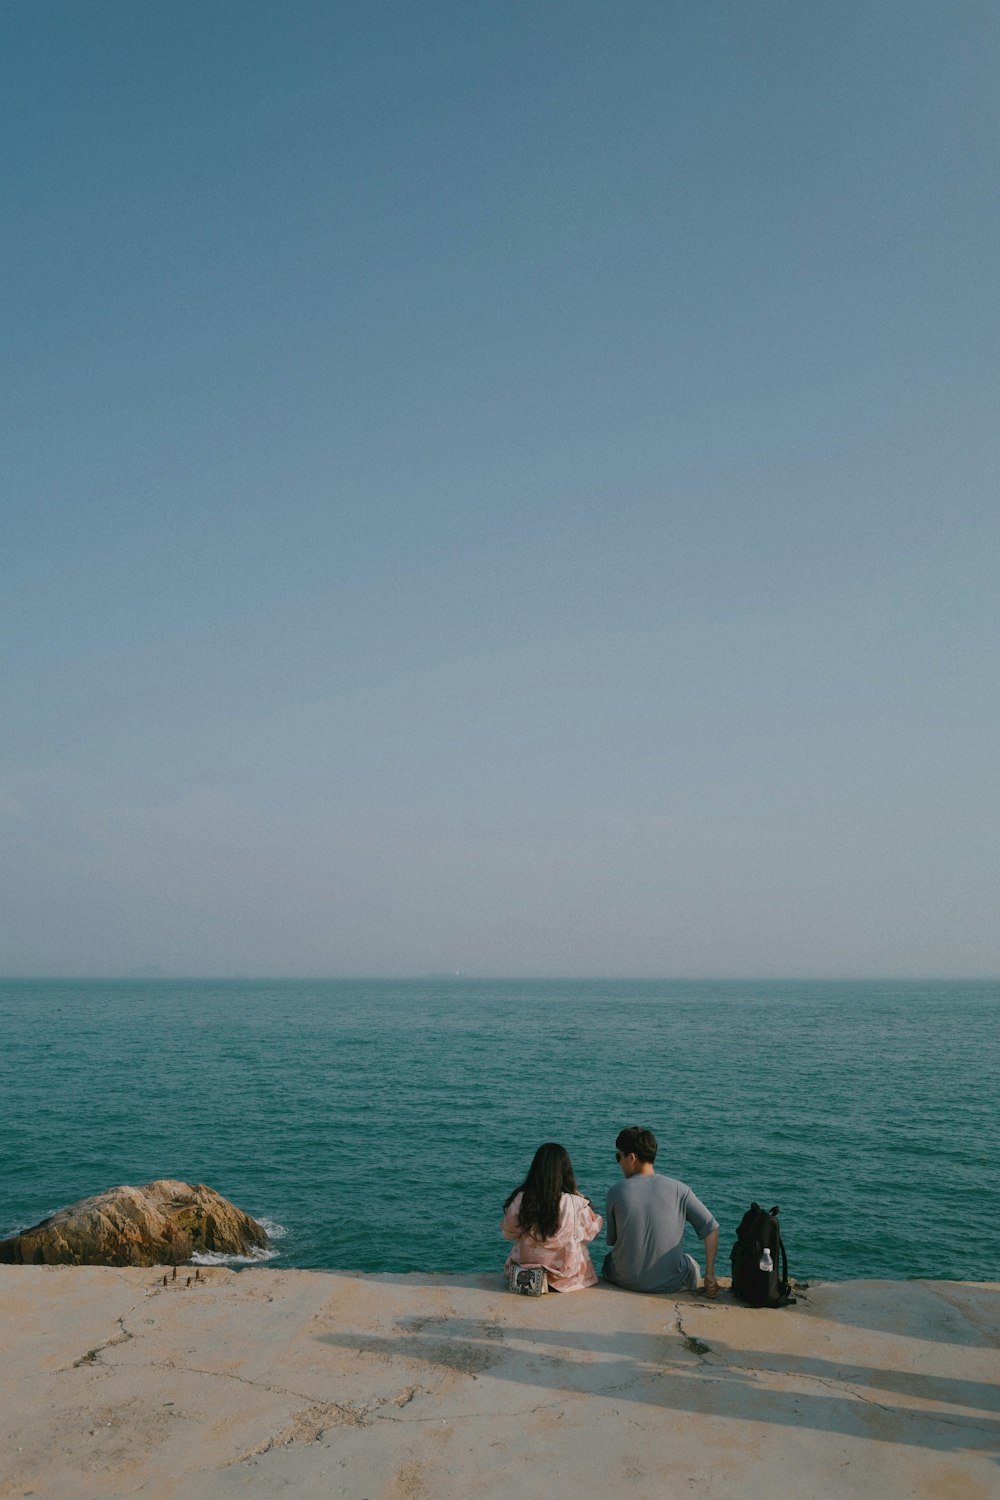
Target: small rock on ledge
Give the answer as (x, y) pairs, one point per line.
(163, 1223)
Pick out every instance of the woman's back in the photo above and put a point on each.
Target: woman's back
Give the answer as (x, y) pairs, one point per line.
(564, 1252)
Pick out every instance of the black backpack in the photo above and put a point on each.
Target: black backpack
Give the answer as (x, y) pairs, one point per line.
(758, 1239)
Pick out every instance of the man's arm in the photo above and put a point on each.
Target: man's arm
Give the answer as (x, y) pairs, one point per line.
(711, 1243)
(610, 1222)
(706, 1227)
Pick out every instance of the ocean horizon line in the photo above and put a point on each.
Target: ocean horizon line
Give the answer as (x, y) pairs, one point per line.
(446, 976)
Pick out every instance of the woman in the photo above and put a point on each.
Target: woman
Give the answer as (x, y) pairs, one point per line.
(550, 1222)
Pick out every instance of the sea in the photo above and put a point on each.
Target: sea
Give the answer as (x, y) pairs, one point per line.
(379, 1125)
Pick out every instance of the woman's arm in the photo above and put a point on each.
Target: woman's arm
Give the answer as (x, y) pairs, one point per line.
(590, 1223)
(510, 1228)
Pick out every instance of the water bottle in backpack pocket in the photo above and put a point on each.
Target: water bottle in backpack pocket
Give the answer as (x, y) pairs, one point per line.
(759, 1262)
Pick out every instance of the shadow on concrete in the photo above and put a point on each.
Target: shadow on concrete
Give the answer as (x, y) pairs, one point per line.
(942, 1312)
(669, 1371)
(739, 1360)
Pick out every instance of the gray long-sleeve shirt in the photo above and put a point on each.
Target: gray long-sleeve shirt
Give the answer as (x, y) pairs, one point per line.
(645, 1228)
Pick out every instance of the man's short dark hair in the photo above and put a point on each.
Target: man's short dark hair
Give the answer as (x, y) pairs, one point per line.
(635, 1138)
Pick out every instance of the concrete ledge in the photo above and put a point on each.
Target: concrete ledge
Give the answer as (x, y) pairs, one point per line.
(266, 1383)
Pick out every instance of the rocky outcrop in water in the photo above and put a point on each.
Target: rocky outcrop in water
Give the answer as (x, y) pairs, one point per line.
(163, 1223)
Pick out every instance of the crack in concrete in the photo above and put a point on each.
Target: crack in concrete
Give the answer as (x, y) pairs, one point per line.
(918, 1412)
(258, 1385)
(846, 1390)
(692, 1345)
(93, 1356)
(124, 1336)
(403, 1399)
(526, 1411)
(313, 1423)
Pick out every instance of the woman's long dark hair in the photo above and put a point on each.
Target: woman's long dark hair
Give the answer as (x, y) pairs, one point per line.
(549, 1176)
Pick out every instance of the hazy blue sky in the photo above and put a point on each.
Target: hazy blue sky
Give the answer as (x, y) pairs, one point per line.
(501, 487)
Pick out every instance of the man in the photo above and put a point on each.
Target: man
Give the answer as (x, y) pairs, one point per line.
(646, 1217)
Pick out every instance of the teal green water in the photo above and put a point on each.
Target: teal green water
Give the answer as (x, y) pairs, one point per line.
(382, 1124)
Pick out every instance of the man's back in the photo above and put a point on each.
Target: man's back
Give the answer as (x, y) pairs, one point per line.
(646, 1217)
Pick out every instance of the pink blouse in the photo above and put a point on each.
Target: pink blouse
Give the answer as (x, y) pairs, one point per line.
(565, 1256)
